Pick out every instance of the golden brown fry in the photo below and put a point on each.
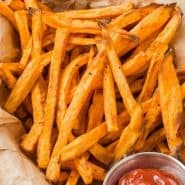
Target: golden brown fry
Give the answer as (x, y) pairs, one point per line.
(31, 4)
(16, 5)
(106, 12)
(110, 108)
(44, 144)
(26, 81)
(165, 37)
(21, 18)
(83, 143)
(82, 41)
(171, 102)
(26, 53)
(84, 168)
(101, 154)
(163, 148)
(38, 99)
(73, 178)
(131, 16)
(8, 13)
(81, 94)
(98, 172)
(154, 21)
(37, 33)
(43, 6)
(74, 53)
(152, 120)
(95, 114)
(136, 86)
(111, 147)
(64, 85)
(152, 73)
(13, 67)
(134, 109)
(135, 65)
(155, 138)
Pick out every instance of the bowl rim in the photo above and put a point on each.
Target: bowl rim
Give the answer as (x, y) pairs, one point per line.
(130, 157)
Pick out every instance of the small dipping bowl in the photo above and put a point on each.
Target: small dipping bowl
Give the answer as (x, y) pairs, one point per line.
(146, 160)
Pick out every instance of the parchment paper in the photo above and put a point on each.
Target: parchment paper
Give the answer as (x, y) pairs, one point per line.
(15, 167)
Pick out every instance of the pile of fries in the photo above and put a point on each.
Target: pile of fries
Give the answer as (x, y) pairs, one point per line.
(94, 85)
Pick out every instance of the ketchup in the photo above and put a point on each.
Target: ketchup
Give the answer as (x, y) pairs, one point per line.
(148, 177)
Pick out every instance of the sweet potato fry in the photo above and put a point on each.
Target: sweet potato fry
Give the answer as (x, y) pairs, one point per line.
(136, 86)
(152, 120)
(82, 41)
(81, 95)
(8, 13)
(155, 138)
(106, 12)
(83, 143)
(73, 178)
(154, 21)
(101, 154)
(13, 67)
(21, 18)
(171, 102)
(131, 16)
(26, 81)
(95, 114)
(37, 33)
(26, 53)
(44, 145)
(110, 108)
(135, 65)
(152, 73)
(64, 85)
(16, 5)
(134, 109)
(98, 172)
(31, 4)
(38, 100)
(84, 168)
(163, 148)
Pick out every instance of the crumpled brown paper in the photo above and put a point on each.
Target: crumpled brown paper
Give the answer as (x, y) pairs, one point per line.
(15, 167)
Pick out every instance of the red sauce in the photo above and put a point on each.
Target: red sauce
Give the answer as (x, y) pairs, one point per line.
(148, 177)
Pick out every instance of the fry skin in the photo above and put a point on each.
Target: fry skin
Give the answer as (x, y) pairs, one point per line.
(96, 110)
(80, 96)
(134, 109)
(64, 85)
(98, 12)
(26, 81)
(44, 144)
(38, 100)
(171, 102)
(110, 108)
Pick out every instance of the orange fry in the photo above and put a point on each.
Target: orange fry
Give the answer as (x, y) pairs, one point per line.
(44, 144)
(26, 81)
(110, 108)
(111, 11)
(171, 102)
(81, 94)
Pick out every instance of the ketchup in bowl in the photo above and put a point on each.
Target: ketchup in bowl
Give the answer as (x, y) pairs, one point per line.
(148, 177)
